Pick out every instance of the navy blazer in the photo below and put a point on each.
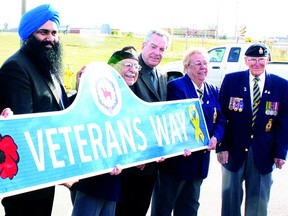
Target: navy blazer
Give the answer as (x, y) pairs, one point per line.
(105, 186)
(269, 135)
(198, 163)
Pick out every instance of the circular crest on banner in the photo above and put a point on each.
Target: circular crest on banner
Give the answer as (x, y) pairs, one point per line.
(105, 89)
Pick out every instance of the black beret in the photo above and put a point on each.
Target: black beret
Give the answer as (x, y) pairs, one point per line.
(257, 50)
(125, 53)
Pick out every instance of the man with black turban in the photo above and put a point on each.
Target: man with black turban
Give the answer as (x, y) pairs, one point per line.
(30, 82)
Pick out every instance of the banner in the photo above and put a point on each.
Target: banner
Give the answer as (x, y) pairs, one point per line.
(106, 125)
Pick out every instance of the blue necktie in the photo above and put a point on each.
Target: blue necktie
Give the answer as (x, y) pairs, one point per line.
(256, 99)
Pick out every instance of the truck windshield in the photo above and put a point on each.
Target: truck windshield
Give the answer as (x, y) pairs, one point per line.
(216, 55)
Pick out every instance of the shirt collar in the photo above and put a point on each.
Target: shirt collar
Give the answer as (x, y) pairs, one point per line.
(261, 78)
(196, 87)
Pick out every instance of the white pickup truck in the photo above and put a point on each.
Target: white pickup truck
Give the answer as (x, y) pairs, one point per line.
(226, 59)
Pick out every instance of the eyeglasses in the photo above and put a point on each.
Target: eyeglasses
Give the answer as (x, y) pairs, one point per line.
(261, 61)
(130, 65)
(199, 64)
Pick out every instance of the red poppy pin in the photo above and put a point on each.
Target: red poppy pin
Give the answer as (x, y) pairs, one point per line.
(9, 157)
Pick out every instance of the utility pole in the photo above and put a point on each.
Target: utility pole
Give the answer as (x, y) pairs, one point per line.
(23, 10)
(217, 21)
(23, 7)
(236, 22)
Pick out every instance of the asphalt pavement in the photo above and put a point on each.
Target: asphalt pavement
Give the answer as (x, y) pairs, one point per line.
(210, 200)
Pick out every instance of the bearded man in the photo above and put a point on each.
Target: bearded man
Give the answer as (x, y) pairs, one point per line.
(30, 82)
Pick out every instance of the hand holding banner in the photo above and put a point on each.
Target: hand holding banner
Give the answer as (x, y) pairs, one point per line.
(106, 125)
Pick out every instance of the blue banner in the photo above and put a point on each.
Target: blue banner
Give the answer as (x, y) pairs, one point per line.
(106, 125)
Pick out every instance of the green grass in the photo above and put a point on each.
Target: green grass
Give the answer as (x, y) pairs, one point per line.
(82, 49)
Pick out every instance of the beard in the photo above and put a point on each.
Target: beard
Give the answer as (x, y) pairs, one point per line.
(48, 60)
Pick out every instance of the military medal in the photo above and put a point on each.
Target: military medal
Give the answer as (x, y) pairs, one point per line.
(271, 108)
(236, 104)
(268, 108)
(231, 103)
(269, 125)
(241, 104)
(215, 115)
(275, 107)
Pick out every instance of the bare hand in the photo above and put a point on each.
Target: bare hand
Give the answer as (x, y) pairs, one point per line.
(70, 183)
(141, 167)
(212, 144)
(187, 152)
(116, 170)
(6, 112)
(279, 162)
(223, 157)
(160, 160)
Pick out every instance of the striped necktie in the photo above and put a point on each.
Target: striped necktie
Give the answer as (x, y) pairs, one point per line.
(201, 94)
(256, 99)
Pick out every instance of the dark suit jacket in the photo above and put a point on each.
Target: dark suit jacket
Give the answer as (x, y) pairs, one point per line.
(25, 90)
(198, 163)
(267, 143)
(105, 186)
(145, 90)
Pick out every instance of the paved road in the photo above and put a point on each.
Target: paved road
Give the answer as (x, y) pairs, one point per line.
(210, 197)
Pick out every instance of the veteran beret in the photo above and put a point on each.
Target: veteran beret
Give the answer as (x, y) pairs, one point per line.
(257, 50)
(32, 20)
(125, 53)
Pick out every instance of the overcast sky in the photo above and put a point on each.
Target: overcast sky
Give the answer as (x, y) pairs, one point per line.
(262, 18)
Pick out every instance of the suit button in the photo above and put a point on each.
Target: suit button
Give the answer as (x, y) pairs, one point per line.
(246, 150)
(252, 136)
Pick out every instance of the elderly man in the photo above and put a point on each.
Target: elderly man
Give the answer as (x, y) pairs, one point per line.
(98, 195)
(30, 82)
(255, 105)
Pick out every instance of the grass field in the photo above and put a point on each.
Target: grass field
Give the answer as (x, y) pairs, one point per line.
(82, 49)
